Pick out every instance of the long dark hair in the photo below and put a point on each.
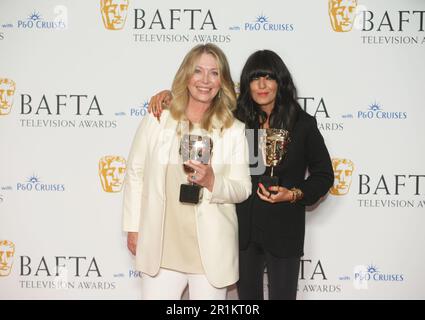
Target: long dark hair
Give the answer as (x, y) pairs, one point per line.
(286, 107)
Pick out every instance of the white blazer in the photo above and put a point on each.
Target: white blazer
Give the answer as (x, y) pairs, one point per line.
(216, 221)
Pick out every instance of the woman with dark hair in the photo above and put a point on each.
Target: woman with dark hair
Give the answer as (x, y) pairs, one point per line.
(268, 65)
(272, 221)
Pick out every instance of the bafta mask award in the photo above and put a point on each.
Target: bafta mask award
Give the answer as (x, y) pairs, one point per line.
(199, 148)
(273, 145)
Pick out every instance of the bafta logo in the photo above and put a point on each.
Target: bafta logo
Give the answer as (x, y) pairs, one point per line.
(112, 172)
(7, 251)
(7, 92)
(343, 171)
(273, 145)
(342, 14)
(114, 13)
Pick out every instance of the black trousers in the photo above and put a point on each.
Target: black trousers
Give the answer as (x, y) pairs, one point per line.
(282, 275)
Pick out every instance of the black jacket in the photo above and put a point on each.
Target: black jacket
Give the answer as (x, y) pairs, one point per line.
(280, 227)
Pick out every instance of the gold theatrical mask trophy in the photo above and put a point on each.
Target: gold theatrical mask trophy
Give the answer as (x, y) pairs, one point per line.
(199, 148)
(273, 144)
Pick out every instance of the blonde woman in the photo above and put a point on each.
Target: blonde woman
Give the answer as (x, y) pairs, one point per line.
(178, 244)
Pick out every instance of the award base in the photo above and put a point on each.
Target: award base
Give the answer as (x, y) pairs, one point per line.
(268, 181)
(190, 193)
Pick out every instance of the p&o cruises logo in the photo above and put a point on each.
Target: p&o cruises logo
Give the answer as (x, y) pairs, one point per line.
(34, 183)
(36, 20)
(263, 23)
(136, 111)
(363, 275)
(375, 111)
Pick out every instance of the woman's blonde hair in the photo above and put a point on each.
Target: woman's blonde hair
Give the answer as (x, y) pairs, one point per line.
(220, 114)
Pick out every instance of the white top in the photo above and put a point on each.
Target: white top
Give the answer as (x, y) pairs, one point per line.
(180, 247)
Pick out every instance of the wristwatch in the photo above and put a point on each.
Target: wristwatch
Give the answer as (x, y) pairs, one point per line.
(297, 195)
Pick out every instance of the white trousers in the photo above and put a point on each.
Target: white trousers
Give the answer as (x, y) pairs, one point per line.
(169, 285)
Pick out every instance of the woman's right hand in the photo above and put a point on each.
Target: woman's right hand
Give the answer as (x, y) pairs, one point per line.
(132, 242)
(158, 102)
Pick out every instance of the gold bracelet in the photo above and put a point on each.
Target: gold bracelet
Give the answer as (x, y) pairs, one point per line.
(297, 195)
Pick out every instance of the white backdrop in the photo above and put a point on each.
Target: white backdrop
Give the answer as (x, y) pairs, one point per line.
(76, 92)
